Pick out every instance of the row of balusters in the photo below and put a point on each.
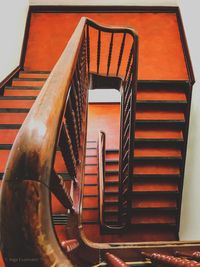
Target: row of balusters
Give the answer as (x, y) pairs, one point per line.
(71, 128)
(122, 40)
(127, 137)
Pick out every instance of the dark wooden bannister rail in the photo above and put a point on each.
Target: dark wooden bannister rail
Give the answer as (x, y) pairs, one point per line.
(194, 255)
(165, 260)
(114, 261)
(58, 118)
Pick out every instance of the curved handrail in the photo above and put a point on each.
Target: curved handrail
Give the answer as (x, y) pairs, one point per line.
(101, 177)
(25, 196)
(31, 160)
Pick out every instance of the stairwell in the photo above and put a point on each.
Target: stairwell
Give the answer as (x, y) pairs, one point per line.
(158, 164)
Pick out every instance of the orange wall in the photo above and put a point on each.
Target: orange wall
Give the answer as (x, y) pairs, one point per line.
(160, 51)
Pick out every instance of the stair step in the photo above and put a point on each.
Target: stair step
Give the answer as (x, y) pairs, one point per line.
(111, 198)
(7, 136)
(21, 93)
(16, 103)
(158, 132)
(111, 218)
(24, 88)
(159, 168)
(162, 94)
(154, 200)
(90, 202)
(90, 215)
(111, 188)
(24, 74)
(89, 179)
(90, 189)
(36, 71)
(152, 209)
(10, 119)
(28, 82)
(153, 192)
(142, 103)
(166, 149)
(110, 210)
(155, 176)
(153, 216)
(111, 178)
(160, 122)
(156, 159)
(155, 185)
(159, 114)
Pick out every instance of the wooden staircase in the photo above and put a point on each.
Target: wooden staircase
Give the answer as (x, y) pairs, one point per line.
(15, 104)
(155, 126)
(158, 164)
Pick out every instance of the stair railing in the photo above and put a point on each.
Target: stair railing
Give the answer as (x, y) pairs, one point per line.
(127, 126)
(58, 118)
(170, 261)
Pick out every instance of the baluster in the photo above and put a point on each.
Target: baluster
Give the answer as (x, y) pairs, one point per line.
(110, 53)
(77, 108)
(78, 89)
(114, 261)
(88, 47)
(73, 128)
(166, 260)
(121, 53)
(57, 186)
(69, 245)
(65, 144)
(98, 50)
(129, 63)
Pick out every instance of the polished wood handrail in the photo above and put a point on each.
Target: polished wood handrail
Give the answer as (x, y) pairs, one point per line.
(114, 261)
(194, 255)
(101, 151)
(101, 174)
(25, 196)
(168, 260)
(30, 165)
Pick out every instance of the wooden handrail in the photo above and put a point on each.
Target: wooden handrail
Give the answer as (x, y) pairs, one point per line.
(101, 148)
(25, 195)
(194, 255)
(101, 174)
(166, 260)
(114, 261)
(30, 165)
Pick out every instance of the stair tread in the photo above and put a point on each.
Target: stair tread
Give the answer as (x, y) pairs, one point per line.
(171, 176)
(36, 71)
(20, 93)
(154, 192)
(29, 79)
(23, 88)
(17, 103)
(12, 118)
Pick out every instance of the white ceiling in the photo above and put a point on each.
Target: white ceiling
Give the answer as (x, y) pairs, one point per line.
(106, 2)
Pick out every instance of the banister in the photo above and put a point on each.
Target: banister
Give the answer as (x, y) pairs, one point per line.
(101, 173)
(101, 177)
(168, 260)
(25, 195)
(30, 163)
